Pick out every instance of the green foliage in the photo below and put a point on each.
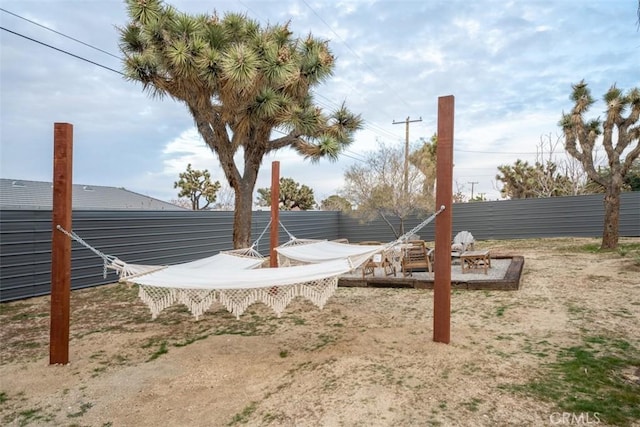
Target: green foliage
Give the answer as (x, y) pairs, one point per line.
(196, 185)
(243, 417)
(631, 180)
(479, 198)
(84, 407)
(240, 81)
(588, 378)
(522, 180)
(159, 352)
(622, 123)
(293, 196)
(335, 203)
(424, 159)
(631, 250)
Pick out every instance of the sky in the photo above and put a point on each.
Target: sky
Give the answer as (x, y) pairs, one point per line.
(509, 64)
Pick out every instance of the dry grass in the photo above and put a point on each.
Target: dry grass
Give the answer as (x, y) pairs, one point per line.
(366, 359)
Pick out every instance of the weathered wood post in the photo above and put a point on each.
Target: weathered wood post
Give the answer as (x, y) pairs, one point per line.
(444, 197)
(61, 244)
(275, 213)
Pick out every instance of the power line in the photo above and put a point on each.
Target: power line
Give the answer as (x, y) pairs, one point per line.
(63, 51)
(354, 52)
(367, 125)
(58, 32)
(346, 153)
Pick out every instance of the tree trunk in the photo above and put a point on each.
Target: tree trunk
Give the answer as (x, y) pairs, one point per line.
(242, 215)
(610, 233)
(244, 199)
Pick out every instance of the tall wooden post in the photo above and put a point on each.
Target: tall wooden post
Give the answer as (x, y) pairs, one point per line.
(275, 213)
(444, 197)
(61, 244)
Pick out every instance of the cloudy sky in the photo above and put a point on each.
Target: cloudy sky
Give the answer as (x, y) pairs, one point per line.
(509, 64)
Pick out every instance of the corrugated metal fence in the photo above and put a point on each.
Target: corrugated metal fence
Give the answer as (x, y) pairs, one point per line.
(167, 237)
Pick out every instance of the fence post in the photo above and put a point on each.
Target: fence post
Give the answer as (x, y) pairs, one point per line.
(275, 211)
(444, 197)
(61, 244)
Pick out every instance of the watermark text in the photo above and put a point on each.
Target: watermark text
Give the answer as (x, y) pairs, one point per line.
(574, 419)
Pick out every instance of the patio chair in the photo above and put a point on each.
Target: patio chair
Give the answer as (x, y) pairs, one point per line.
(463, 241)
(377, 261)
(416, 257)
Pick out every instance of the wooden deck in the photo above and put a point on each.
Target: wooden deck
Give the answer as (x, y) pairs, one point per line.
(508, 281)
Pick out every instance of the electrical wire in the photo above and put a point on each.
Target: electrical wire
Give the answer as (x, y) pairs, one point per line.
(59, 33)
(62, 51)
(354, 52)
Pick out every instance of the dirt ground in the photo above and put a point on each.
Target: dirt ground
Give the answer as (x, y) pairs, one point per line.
(367, 359)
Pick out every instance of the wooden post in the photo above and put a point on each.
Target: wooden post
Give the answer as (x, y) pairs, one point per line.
(444, 197)
(61, 244)
(275, 213)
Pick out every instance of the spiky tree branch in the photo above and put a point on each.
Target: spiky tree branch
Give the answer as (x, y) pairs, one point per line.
(240, 82)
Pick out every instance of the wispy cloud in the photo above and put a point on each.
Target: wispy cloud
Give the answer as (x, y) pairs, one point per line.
(509, 65)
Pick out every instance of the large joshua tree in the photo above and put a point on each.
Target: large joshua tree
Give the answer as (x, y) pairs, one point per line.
(240, 82)
(621, 123)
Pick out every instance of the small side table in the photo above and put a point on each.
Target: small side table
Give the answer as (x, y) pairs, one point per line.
(475, 260)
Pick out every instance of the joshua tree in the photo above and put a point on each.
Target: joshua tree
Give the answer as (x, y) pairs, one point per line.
(240, 82)
(293, 196)
(196, 185)
(581, 137)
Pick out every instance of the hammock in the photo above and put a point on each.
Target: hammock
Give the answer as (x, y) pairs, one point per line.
(236, 290)
(231, 278)
(303, 251)
(306, 251)
(239, 259)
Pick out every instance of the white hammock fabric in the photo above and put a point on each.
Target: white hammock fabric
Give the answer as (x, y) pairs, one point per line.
(299, 251)
(303, 251)
(231, 278)
(237, 289)
(240, 259)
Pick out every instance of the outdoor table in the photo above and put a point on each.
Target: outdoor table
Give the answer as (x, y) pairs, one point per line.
(475, 260)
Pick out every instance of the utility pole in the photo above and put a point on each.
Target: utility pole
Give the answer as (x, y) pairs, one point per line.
(472, 184)
(406, 152)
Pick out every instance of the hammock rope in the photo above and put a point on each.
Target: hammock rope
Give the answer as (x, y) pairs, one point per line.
(126, 270)
(108, 260)
(257, 241)
(232, 278)
(291, 236)
(402, 239)
(414, 230)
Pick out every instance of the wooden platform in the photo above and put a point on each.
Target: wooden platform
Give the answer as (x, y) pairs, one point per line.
(510, 281)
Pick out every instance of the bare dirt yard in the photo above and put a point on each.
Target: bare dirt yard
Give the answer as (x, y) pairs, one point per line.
(563, 349)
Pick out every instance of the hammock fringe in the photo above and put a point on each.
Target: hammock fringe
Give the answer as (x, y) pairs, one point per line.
(237, 301)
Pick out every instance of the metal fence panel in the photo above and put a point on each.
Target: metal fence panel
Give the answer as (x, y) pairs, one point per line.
(169, 237)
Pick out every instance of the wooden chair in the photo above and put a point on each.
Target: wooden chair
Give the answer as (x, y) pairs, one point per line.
(416, 256)
(377, 261)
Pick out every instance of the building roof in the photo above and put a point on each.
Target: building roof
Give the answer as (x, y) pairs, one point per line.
(27, 195)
